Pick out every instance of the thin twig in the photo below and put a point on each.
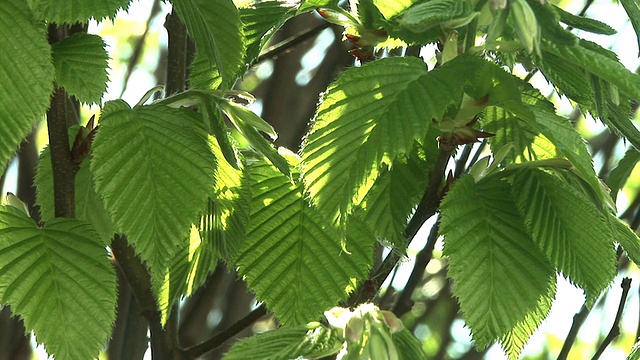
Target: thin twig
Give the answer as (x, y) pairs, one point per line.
(286, 45)
(423, 258)
(220, 338)
(578, 320)
(615, 328)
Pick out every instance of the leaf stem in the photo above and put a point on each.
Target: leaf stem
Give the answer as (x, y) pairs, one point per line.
(220, 338)
(615, 328)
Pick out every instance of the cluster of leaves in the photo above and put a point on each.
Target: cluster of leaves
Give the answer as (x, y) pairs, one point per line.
(301, 229)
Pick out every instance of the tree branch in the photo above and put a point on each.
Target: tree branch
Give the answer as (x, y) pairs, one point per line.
(615, 328)
(139, 278)
(177, 54)
(423, 258)
(220, 338)
(578, 320)
(63, 166)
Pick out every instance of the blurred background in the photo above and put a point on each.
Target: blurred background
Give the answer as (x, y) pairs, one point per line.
(287, 88)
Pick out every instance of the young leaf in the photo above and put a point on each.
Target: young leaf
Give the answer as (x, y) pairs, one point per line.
(81, 66)
(632, 7)
(409, 347)
(27, 75)
(261, 20)
(154, 169)
(627, 238)
(499, 274)
(312, 341)
(367, 118)
(59, 280)
(217, 31)
(73, 11)
(89, 207)
(620, 174)
(584, 23)
(568, 228)
(292, 258)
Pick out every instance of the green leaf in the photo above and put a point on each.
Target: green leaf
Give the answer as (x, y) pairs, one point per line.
(549, 21)
(568, 142)
(81, 66)
(154, 169)
(392, 8)
(73, 11)
(305, 341)
(597, 63)
(307, 5)
(627, 238)
(261, 20)
(632, 7)
(425, 15)
(222, 226)
(408, 346)
(568, 228)
(513, 342)
(394, 196)
(27, 75)
(528, 143)
(60, 281)
(89, 207)
(368, 117)
(217, 31)
(292, 258)
(203, 74)
(584, 23)
(498, 272)
(620, 174)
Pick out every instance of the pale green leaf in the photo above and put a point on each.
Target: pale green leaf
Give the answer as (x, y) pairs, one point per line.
(427, 14)
(73, 11)
(568, 228)
(245, 121)
(632, 7)
(370, 116)
(513, 342)
(584, 23)
(635, 352)
(60, 280)
(217, 31)
(293, 342)
(598, 64)
(154, 169)
(261, 20)
(620, 174)
(27, 75)
(499, 275)
(89, 207)
(408, 346)
(81, 66)
(292, 258)
(391, 8)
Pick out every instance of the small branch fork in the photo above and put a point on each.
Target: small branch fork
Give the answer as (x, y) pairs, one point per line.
(615, 328)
